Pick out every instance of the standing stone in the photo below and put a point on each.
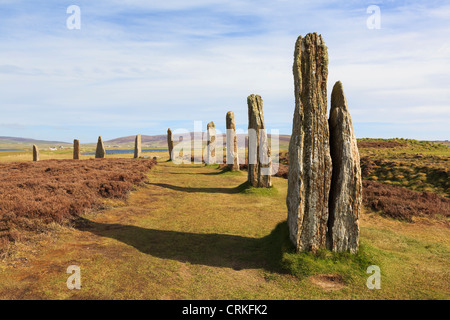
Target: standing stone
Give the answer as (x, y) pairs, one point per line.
(232, 148)
(210, 143)
(137, 146)
(76, 149)
(258, 147)
(309, 151)
(100, 152)
(35, 153)
(346, 189)
(170, 143)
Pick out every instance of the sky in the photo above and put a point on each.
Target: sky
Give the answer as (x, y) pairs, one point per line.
(143, 66)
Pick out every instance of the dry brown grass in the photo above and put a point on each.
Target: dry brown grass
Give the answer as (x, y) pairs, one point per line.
(328, 282)
(403, 204)
(393, 201)
(34, 194)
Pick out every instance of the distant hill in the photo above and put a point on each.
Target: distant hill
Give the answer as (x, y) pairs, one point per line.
(28, 141)
(160, 141)
(156, 141)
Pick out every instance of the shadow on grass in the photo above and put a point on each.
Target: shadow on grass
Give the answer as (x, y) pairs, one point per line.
(216, 250)
(219, 170)
(215, 173)
(241, 188)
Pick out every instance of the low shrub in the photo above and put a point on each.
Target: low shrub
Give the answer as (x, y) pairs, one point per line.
(33, 194)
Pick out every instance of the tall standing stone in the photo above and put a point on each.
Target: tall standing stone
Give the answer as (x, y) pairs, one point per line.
(232, 147)
(210, 143)
(309, 151)
(35, 153)
(76, 149)
(346, 186)
(100, 152)
(170, 143)
(137, 146)
(258, 148)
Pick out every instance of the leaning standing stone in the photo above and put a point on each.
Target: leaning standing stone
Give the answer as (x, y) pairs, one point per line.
(137, 146)
(346, 189)
(170, 143)
(309, 151)
(100, 152)
(210, 143)
(76, 149)
(259, 172)
(35, 153)
(232, 149)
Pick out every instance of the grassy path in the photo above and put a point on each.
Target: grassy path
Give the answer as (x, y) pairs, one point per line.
(191, 233)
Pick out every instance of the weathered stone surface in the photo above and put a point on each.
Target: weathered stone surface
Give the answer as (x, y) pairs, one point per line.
(346, 186)
(232, 147)
(170, 142)
(309, 151)
(76, 149)
(100, 152)
(210, 143)
(35, 153)
(258, 145)
(137, 146)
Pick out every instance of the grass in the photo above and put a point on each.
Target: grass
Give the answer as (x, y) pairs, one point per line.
(34, 194)
(27, 155)
(348, 266)
(416, 176)
(196, 232)
(411, 146)
(418, 165)
(247, 189)
(399, 181)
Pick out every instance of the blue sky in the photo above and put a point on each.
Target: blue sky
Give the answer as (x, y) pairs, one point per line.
(143, 66)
